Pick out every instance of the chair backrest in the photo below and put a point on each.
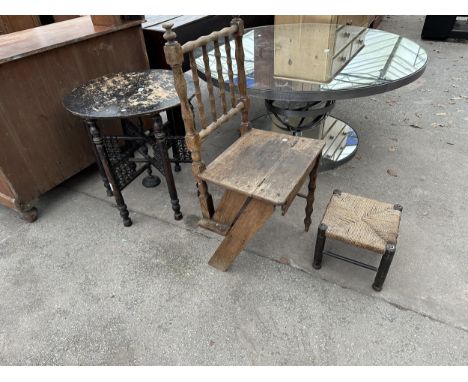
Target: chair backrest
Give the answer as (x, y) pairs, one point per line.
(174, 53)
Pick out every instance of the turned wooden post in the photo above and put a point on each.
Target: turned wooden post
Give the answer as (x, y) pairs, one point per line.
(99, 144)
(242, 84)
(227, 47)
(174, 58)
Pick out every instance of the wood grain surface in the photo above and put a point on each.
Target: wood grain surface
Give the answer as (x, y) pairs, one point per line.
(264, 165)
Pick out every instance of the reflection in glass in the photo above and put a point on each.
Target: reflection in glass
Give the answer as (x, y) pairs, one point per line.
(341, 141)
(385, 58)
(380, 58)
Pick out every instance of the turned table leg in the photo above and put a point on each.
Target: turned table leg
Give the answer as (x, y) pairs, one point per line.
(102, 173)
(98, 142)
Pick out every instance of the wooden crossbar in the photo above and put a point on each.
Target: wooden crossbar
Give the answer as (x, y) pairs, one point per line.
(203, 40)
(224, 118)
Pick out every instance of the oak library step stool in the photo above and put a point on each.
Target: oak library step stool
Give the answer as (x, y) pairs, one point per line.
(364, 223)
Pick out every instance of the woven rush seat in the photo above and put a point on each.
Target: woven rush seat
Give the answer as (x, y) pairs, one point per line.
(362, 222)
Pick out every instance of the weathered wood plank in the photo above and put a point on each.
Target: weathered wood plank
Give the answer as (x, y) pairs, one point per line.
(293, 194)
(253, 216)
(264, 165)
(229, 207)
(213, 226)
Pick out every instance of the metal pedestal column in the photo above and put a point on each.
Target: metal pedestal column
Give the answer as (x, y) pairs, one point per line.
(312, 120)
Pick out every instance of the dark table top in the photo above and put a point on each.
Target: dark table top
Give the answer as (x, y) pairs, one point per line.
(282, 60)
(125, 95)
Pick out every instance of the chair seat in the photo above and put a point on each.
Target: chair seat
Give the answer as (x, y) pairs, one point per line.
(264, 165)
(362, 222)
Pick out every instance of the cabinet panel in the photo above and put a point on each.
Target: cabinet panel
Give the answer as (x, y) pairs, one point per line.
(9, 24)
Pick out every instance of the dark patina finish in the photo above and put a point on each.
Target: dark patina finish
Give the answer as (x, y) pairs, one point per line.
(122, 158)
(124, 95)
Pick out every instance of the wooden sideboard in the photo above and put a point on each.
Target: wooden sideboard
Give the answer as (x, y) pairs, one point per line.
(41, 144)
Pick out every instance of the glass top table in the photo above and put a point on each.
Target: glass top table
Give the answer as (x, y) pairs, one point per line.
(300, 70)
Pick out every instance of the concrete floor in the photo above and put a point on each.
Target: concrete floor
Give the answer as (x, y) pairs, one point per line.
(79, 288)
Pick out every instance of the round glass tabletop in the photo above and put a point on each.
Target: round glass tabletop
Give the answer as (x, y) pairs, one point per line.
(125, 94)
(303, 62)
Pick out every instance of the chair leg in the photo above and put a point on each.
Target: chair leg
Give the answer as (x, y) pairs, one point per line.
(176, 124)
(160, 136)
(253, 215)
(384, 267)
(205, 199)
(319, 245)
(311, 194)
(97, 140)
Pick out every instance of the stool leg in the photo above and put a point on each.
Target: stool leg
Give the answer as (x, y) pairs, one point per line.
(97, 140)
(319, 245)
(384, 267)
(160, 136)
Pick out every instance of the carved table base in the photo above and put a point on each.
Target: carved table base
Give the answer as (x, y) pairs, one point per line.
(121, 159)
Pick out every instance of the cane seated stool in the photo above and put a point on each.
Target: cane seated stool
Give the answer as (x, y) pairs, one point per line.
(364, 223)
(260, 170)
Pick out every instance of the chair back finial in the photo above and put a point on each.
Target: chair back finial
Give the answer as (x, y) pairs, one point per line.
(236, 20)
(169, 35)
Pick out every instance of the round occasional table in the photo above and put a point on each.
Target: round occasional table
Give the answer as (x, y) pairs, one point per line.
(123, 157)
(301, 70)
